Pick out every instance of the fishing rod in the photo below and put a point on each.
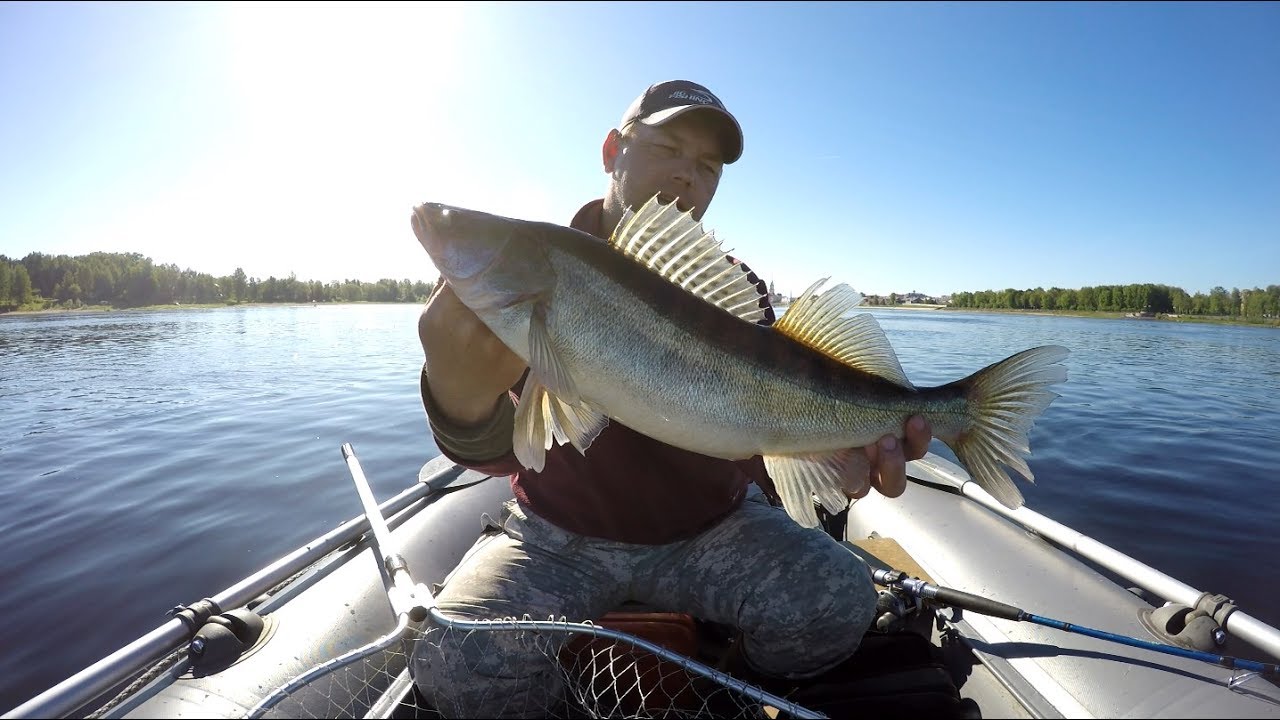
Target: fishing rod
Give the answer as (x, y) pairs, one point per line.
(936, 469)
(985, 606)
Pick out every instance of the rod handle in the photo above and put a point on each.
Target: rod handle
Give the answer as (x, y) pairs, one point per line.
(978, 604)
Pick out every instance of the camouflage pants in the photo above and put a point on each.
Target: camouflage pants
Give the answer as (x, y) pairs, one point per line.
(801, 600)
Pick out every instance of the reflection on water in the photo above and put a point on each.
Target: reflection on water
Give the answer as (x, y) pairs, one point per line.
(152, 458)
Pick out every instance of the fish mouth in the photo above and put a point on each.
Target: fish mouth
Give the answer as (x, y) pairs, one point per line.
(667, 198)
(460, 244)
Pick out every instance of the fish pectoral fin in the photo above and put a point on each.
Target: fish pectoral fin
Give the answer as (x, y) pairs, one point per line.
(564, 415)
(825, 475)
(545, 363)
(823, 323)
(542, 420)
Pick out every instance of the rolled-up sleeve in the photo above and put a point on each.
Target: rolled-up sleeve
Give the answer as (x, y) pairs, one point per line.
(484, 446)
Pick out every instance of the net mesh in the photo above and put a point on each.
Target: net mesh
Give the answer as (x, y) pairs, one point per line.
(519, 668)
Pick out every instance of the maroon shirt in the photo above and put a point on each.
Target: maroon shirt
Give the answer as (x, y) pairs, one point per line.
(629, 487)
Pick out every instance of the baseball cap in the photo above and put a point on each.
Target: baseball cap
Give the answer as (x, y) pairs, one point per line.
(673, 98)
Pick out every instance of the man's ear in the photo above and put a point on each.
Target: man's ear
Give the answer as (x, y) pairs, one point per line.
(611, 149)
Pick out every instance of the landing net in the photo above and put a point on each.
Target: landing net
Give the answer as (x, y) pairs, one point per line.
(521, 668)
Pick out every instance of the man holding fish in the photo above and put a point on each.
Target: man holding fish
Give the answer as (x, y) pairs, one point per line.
(632, 518)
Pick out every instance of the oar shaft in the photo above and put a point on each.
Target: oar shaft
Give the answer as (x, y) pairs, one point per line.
(379, 525)
(403, 592)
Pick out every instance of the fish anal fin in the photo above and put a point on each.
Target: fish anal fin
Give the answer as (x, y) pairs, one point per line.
(829, 476)
(823, 323)
(577, 424)
(673, 245)
(542, 420)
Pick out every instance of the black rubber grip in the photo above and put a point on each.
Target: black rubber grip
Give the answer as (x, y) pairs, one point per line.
(978, 604)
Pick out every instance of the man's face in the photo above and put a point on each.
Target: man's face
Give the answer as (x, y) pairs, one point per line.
(681, 159)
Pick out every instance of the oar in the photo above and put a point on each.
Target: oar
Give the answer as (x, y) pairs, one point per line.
(408, 601)
(986, 606)
(403, 593)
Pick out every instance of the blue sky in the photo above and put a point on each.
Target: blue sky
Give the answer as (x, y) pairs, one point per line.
(935, 147)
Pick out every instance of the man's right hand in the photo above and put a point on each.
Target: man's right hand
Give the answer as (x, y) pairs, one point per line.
(467, 366)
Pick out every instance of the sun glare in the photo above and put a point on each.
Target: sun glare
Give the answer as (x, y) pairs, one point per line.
(330, 99)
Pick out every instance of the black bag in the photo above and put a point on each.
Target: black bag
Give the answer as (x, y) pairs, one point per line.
(892, 675)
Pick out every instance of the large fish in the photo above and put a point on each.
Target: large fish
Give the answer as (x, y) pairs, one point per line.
(656, 329)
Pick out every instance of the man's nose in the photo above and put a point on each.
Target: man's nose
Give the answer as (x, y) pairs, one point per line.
(683, 170)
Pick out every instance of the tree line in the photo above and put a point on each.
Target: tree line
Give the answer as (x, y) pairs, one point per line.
(132, 280)
(1255, 303)
(40, 281)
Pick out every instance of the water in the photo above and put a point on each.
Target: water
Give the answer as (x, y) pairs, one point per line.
(154, 458)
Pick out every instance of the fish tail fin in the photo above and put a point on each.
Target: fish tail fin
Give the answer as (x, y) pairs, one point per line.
(1003, 401)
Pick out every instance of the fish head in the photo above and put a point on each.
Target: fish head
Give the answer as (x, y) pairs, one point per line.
(462, 243)
(490, 261)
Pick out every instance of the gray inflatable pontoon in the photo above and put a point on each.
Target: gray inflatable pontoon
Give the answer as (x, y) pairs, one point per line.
(322, 618)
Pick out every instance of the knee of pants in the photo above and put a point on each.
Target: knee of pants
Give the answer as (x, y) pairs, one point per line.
(846, 612)
(855, 609)
(815, 631)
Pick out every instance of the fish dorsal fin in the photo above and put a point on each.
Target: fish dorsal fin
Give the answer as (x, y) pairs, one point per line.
(820, 322)
(675, 246)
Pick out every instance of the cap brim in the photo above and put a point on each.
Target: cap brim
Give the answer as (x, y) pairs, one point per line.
(733, 150)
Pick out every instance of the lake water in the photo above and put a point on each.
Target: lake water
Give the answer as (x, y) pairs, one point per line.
(154, 458)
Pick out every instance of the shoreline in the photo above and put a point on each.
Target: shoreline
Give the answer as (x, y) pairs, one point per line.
(90, 309)
(1123, 315)
(909, 306)
(1097, 314)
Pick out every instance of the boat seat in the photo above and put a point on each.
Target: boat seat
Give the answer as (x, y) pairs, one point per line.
(630, 679)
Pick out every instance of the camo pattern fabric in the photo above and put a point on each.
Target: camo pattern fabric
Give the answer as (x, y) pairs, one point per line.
(801, 600)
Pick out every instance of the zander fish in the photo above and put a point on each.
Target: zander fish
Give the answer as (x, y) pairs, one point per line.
(656, 329)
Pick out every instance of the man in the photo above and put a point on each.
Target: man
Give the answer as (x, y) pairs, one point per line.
(633, 519)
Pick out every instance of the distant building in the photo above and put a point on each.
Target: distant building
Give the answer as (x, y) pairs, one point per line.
(914, 297)
(775, 298)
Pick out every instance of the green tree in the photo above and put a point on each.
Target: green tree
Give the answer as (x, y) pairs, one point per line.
(21, 286)
(239, 285)
(6, 282)
(1219, 301)
(1180, 301)
(1086, 299)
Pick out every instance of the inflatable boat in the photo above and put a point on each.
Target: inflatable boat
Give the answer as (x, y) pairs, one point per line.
(984, 612)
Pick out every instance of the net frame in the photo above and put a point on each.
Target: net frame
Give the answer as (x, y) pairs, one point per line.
(601, 672)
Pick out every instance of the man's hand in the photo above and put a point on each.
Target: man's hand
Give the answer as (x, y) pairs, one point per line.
(467, 366)
(888, 458)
